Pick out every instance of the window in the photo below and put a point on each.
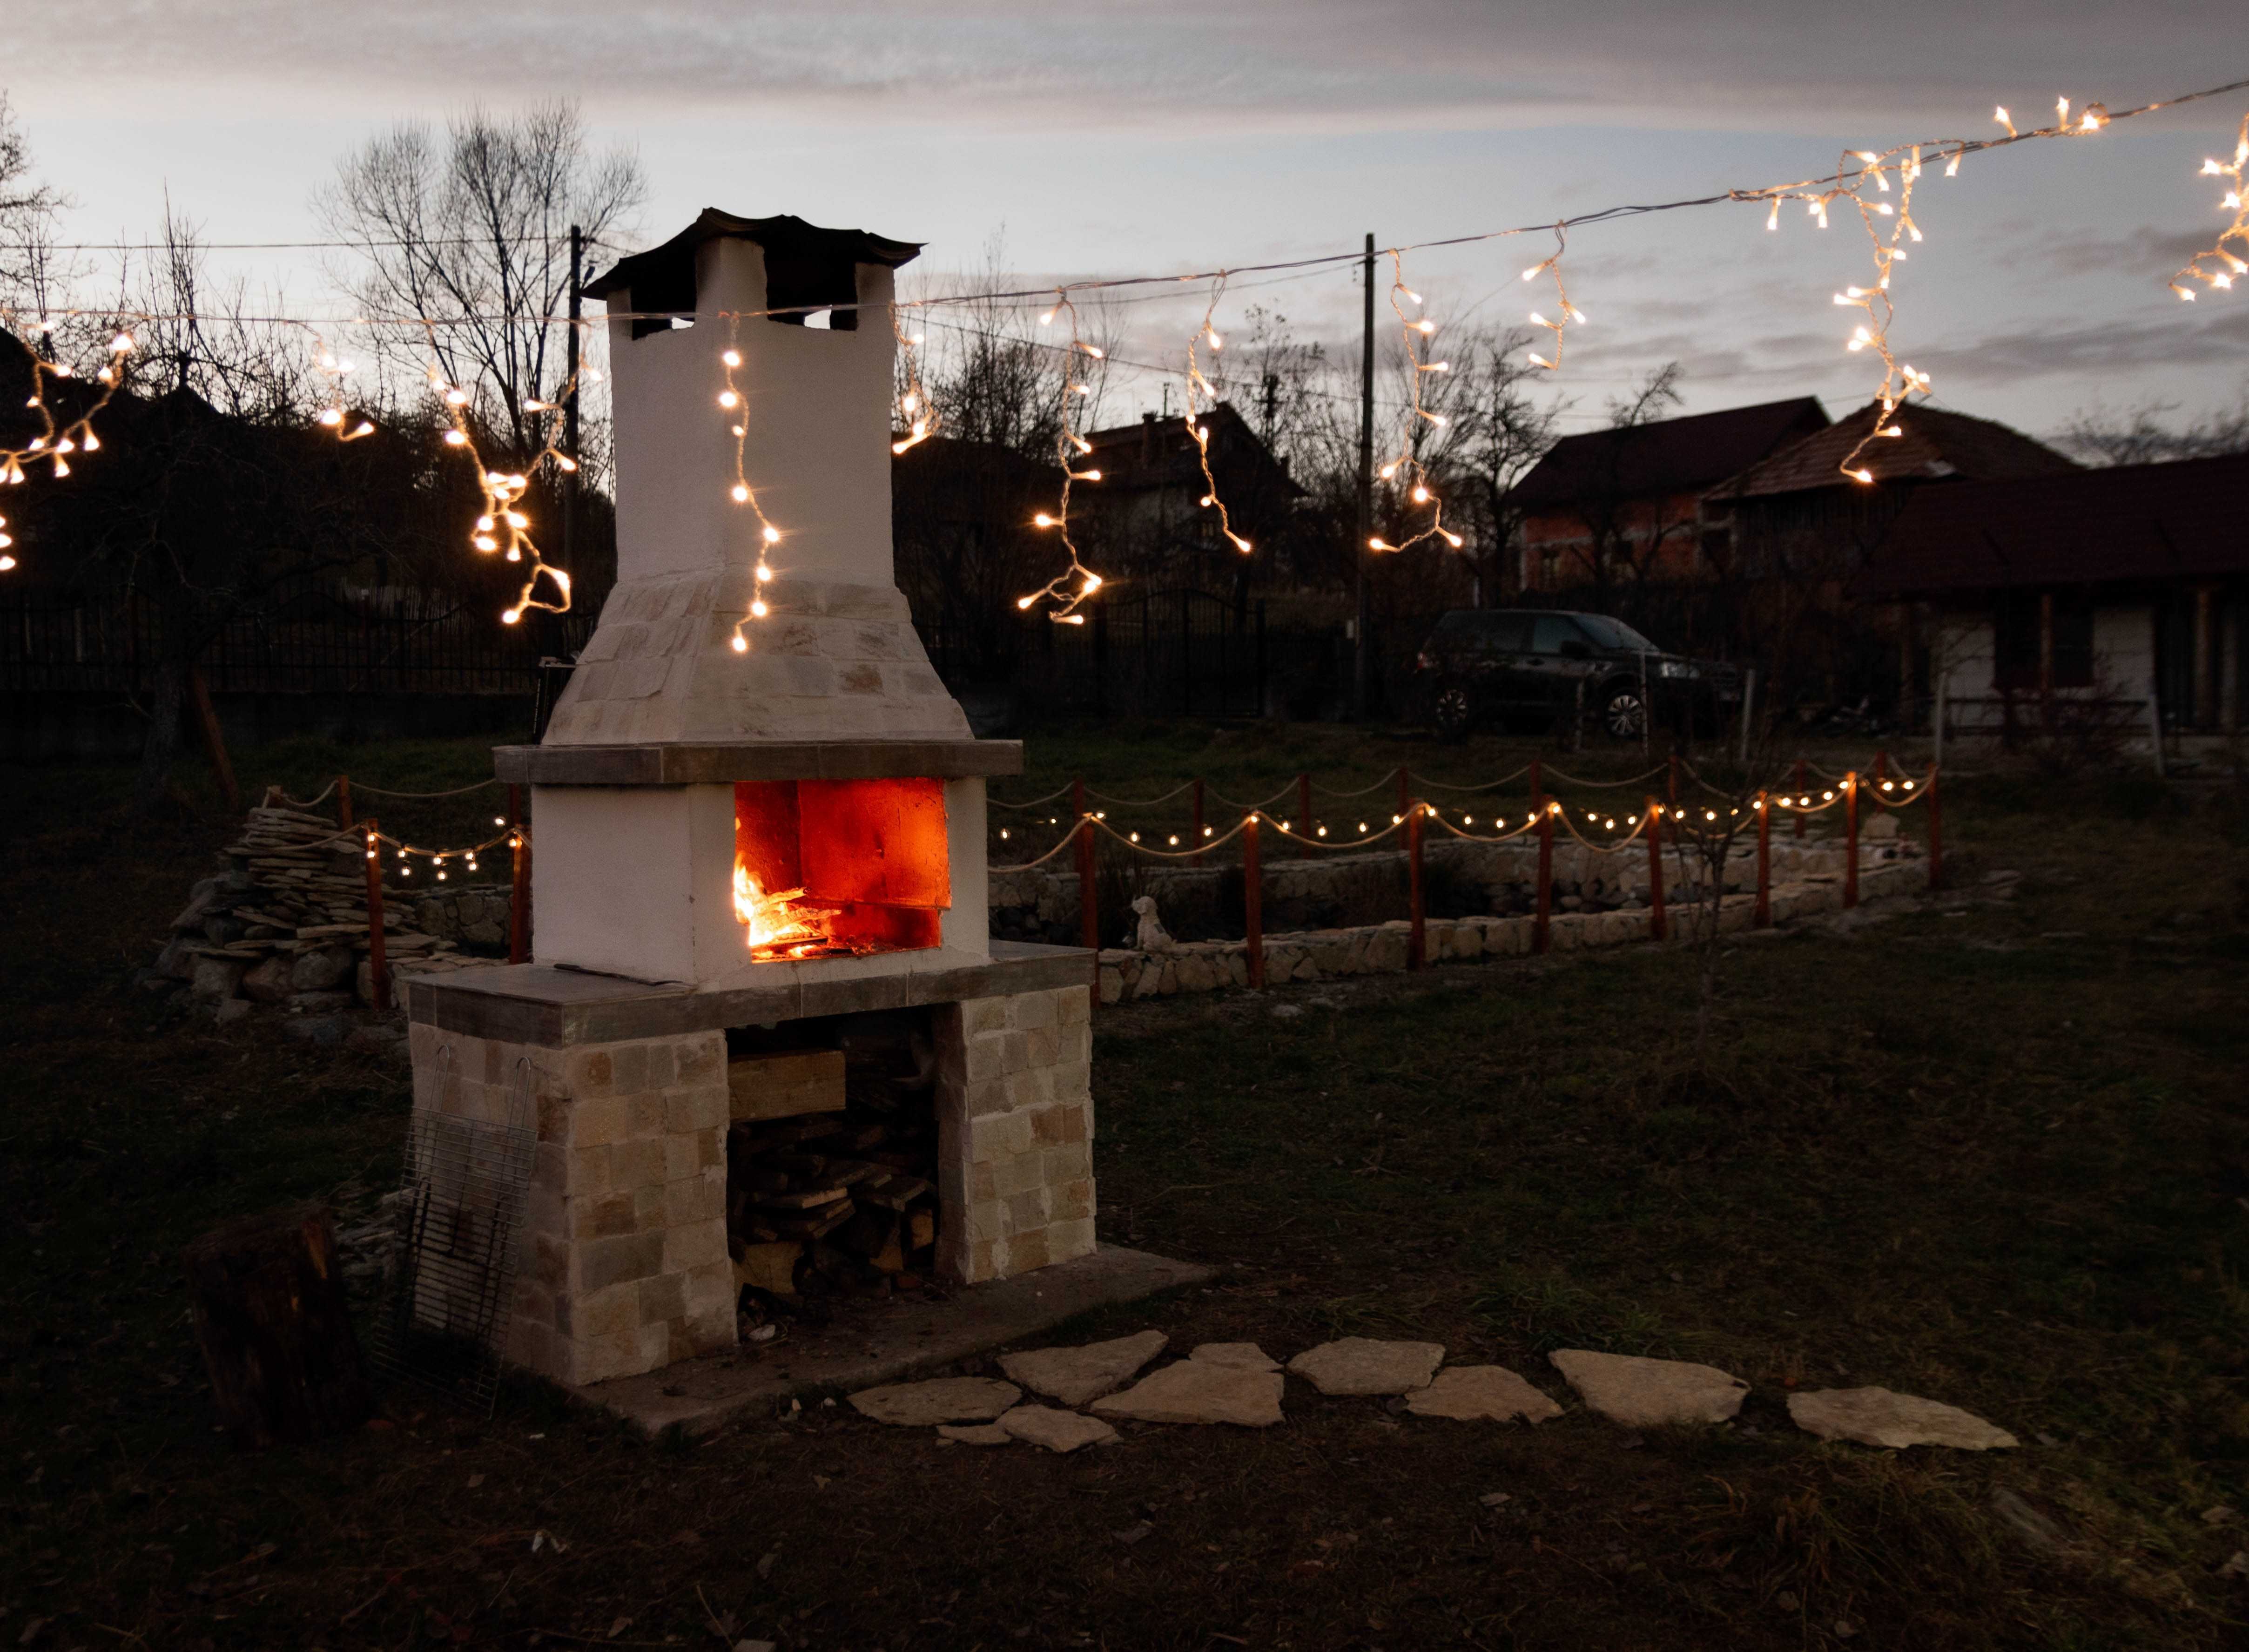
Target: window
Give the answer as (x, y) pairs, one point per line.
(2041, 640)
(1615, 634)
(1550, 631)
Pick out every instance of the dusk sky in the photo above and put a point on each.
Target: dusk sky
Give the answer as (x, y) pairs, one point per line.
(1169, 137)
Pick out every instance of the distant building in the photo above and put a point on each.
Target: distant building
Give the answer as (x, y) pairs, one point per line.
(1146, 513)
(1628, 504)
(1796, 514)
(2112, 584)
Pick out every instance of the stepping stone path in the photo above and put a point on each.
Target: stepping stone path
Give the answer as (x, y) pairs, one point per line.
(1362, 1365)
(1077, 1375)
(1480, 1393)
(1878, 1417)
(1056, 1431)
(1200, 1391)
(920, 1405)
(1648, 1393)
(981, 1434)
(1240, 1356)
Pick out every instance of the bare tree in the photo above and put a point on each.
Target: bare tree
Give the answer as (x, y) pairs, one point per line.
(33, 274)
(2143, 437)
(471, 232)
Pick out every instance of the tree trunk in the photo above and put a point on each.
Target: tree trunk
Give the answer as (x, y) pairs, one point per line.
(161, 748)
(268, 1303)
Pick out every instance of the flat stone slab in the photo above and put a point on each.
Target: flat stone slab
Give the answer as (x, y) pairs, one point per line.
(1198, 1391)
(1056, 1431)
(919, 1405)
(1077, 1376)
(873, 1340)
(1240, 1356)
(1648, 1393)
(1363, 1364)
(1472, 1393)
(978, 1434)
(1878, 1417)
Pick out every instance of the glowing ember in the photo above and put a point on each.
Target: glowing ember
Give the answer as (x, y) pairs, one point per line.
(773, 931)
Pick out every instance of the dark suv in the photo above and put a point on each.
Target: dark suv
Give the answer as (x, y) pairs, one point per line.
(1534, 665)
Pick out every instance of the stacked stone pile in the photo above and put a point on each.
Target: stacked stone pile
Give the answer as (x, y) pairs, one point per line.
(286, 925)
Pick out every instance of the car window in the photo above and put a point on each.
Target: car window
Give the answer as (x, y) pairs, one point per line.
(1615, 634)
(1501, 633)
(1550, 631)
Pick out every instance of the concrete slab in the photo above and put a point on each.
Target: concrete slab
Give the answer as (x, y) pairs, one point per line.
(875, 1341)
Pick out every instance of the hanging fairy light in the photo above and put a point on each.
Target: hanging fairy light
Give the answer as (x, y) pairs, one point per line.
(1405, 472)
(1197, 424)
(914, 408)
(1070, 587)
(2223, 263)
(58, 437)
(334, 415)
(1568, 314)
(737, 411)
(503, 526)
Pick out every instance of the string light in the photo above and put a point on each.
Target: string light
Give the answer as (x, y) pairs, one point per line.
(914, 405)
(1570, 313)
(58, 437)
(1198, 427)
(1076, 583)
(2221, 263)
(731, 404)
(334, 415)
(503, 529)
(1406, 472)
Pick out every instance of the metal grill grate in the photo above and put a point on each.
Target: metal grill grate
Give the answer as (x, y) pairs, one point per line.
(442, 1323)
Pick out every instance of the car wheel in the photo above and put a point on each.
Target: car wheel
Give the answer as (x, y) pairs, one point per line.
(1453, 711)
(1624, 713)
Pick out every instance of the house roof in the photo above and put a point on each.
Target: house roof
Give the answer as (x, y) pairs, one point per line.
(1158, 452)
(2128, 522)
(1937, 442)
(1669, 456)
(663, 276)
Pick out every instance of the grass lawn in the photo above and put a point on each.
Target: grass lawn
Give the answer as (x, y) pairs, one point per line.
(1991, 1151)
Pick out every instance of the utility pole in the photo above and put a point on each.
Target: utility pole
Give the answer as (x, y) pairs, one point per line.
(570, 405)
(1360, 553)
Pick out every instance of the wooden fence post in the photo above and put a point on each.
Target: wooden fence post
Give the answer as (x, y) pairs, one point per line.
(1936, 831)
(1801, 783)
(519, 905)
(1539, 926)
(1197, 839)
(1417, 938)
(343, 801)
(1657, 926)
(1851, 840)
(1304, 811)
(214, 738)
(378, 961)
(1672, 765)
(1252, 904)
(1763, 919)
(1405, 791)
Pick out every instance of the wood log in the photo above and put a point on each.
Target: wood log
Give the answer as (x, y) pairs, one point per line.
(920, 1228)
(782, 1086)
(267, 1299)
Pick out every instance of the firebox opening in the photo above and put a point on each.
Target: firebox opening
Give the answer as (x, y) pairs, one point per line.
(840, 868)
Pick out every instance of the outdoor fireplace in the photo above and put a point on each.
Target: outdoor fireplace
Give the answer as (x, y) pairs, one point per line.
(767, 1039)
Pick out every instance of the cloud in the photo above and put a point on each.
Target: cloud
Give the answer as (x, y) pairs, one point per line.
(1181, 65)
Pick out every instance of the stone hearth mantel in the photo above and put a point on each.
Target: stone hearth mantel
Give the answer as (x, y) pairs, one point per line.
(556, 1008)
(683, 763)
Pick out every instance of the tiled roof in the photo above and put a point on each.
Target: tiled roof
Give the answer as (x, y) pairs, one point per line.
(2129, 522)
(1936, 443)
(1669, 456)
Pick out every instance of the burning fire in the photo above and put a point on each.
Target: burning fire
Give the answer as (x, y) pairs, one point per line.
(773, 930)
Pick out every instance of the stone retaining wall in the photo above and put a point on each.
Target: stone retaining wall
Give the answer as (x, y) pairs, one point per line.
(1372, 949)
(1364, 889)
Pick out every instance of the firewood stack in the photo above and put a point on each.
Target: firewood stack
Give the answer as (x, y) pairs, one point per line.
(288, 918)
(843, 1200)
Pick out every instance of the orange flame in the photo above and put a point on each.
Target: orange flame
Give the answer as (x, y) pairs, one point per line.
(772, 928)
